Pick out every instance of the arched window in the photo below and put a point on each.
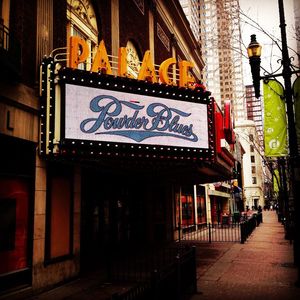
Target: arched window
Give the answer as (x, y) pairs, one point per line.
(82, 22)
(4, 23)
(133, 60)
(4, 12)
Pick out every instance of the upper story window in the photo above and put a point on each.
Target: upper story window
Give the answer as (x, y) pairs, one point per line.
(133, 60)
(82, 22)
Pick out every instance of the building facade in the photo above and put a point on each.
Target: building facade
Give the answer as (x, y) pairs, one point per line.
(67, 190)
(221, 37)
(255, 113)
(253, 179)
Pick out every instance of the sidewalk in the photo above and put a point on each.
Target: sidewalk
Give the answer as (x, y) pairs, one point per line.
(262, 268)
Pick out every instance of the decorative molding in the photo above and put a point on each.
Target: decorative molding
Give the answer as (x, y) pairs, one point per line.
(44, 41)
(163, 37)
(133, 61)
(140, 5)
(84, 11)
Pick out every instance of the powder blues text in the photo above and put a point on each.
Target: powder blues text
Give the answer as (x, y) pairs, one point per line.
(160, 120)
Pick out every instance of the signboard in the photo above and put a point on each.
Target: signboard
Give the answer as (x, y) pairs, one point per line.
(95, 114)
(91, 116)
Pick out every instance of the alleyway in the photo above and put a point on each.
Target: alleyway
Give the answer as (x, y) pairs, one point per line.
(262, 268)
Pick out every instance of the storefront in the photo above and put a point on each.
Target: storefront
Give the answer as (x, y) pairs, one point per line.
(192, 207)
(16, 209)
(132, 142)
(220, 205)
(118, 210)
(105, 150)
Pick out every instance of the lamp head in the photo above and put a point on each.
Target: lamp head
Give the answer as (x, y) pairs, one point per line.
(254, 48)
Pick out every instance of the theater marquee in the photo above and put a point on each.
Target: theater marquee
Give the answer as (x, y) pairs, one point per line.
(105, 115)
(98, 115)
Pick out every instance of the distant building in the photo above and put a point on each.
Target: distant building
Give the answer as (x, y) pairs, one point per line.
(191, 9)
(255, 113)
(252, 164)
(222, 53)
(297, 25)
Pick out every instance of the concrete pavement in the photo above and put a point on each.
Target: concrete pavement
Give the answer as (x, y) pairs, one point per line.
(262, 268)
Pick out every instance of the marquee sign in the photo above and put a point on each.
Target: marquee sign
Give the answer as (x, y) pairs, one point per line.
(92, 114)
(106, 115)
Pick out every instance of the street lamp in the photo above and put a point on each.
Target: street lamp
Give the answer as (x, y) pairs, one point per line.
(254, 52)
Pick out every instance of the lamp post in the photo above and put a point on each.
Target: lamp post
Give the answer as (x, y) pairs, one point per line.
(254, 53)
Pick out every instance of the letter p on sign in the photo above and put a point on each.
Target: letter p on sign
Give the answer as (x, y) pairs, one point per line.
(79, 51)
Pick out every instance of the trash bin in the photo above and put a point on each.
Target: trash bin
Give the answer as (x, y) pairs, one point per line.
(225, 220)
(236, 217)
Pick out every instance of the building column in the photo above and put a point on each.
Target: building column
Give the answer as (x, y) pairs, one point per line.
(151, 34)
(115, 29)
(39, 232)
(195, 205)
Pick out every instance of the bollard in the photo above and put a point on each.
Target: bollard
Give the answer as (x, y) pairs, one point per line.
(194, 270)
(178, 271)
(154, 284)
(242, 226)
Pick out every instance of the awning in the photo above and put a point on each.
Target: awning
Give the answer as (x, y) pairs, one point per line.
(218, 193)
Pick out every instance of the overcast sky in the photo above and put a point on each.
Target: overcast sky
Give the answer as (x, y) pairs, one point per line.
(266, 14)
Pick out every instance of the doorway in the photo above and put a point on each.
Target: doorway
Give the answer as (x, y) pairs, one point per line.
(113, 216)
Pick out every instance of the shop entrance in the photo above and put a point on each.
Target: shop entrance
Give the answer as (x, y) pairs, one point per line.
(219, 206)
(113, 216)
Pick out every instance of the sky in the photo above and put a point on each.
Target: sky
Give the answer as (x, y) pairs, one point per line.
(266, 14)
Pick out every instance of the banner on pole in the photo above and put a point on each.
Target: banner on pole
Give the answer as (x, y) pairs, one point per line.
(296, 91)
(275, 127)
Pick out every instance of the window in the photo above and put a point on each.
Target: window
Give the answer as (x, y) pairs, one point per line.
(82, 22)
(251, 148)
(133, 60)
(201, 206)
(14, 211)
(187, 206)
(252, 158)
(59, 217)
(253, 168)
(254, 180)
